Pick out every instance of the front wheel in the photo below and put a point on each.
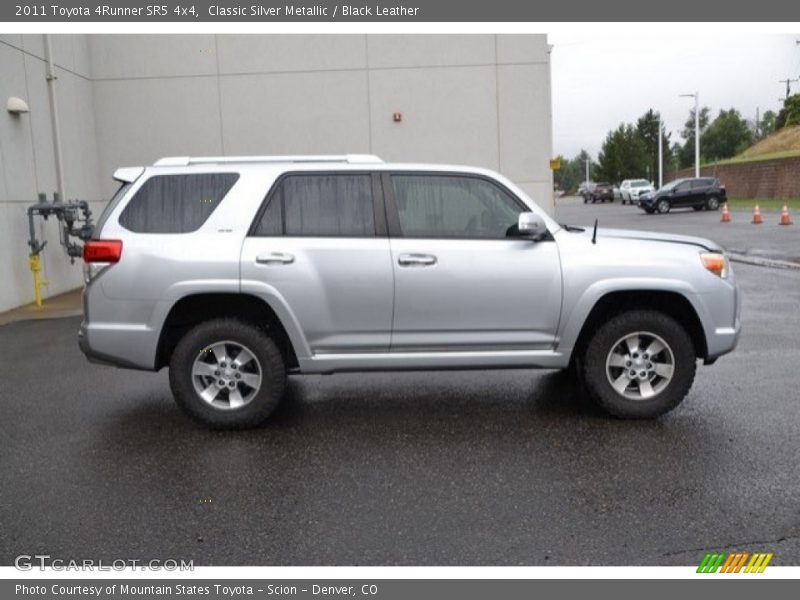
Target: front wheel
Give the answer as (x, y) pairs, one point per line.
(227, 374)
(639, 364)
(663, 206)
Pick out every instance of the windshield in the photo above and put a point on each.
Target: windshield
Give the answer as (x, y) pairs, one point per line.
(670, 185)
(640, 183)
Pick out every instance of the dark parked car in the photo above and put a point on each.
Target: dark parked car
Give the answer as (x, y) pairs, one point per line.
(601, 192)
(699, 193)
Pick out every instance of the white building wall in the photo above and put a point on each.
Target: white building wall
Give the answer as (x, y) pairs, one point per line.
(129, 99)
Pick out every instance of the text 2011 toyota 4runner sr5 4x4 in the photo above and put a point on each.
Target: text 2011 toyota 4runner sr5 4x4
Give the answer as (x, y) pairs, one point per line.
(235, 272)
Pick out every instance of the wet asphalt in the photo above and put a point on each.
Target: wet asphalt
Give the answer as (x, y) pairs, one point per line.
(497, 468)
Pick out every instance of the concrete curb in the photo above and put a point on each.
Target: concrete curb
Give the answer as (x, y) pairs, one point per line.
(772, 263)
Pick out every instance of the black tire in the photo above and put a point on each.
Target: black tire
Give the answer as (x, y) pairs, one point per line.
(269, 358)
(593, 372)
(663, 206)
(712, 203)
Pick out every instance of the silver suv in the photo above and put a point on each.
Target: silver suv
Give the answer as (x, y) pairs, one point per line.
(235, 272)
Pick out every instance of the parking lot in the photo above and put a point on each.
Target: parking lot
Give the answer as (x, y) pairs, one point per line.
(501, 468)
(768, 240)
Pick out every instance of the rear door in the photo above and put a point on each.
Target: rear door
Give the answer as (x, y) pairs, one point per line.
(319, 242)
(461, 284)
(700, 189)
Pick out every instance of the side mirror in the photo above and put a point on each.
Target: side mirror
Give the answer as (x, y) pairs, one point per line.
(531, 226)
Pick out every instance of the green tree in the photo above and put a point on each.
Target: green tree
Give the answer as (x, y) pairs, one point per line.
(571, 173)
(647, 130)
(726, 136)
(790, 113)
(766, 126)
(686, 153)
(623, 155)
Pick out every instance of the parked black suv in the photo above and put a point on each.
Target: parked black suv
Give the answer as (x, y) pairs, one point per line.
(699, 193)
(602, 192)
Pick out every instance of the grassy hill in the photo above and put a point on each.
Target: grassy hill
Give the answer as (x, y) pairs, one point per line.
(783, 143)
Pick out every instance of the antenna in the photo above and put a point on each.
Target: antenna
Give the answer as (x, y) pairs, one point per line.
(594, 234)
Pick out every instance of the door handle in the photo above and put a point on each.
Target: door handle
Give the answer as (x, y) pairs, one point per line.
(275, 258)
(416, 260)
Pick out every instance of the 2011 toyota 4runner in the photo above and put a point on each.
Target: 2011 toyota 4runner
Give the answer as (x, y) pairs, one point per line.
(234, 272)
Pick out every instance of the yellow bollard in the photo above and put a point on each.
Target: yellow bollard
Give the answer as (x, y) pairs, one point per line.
(36, 268)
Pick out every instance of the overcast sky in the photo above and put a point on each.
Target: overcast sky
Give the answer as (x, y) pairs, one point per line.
(601, 81)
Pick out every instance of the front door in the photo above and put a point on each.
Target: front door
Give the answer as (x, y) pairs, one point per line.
(461, 283)
(682, 195)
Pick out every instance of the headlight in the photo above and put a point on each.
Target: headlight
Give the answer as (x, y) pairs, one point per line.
(715, 262)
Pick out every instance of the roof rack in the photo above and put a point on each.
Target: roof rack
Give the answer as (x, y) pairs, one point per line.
(184, 161)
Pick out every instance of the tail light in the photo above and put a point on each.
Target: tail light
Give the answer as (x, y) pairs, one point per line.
(98, 255)
(102, 251)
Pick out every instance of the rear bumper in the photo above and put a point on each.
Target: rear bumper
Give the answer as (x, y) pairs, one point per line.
(98, 357)
(115, 333)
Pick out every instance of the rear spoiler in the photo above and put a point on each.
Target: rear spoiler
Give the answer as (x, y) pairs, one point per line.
(128, 174)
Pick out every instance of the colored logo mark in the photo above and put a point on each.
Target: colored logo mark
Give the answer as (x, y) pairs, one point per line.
(735, 562)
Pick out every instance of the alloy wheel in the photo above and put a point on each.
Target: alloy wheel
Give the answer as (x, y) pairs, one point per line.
(640, 365)
(226, 375)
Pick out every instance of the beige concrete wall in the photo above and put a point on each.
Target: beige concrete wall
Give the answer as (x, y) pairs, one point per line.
(481, 100)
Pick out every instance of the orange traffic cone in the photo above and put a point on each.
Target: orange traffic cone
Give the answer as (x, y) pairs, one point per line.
(726, 215)
(757, 216)
(785, 218)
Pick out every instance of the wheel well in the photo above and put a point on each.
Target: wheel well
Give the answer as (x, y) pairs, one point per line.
(190, 311)
(671, 303)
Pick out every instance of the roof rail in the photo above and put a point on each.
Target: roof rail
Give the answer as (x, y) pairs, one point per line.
(184, 161)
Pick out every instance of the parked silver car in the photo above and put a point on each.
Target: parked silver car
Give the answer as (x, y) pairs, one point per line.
(235, 272)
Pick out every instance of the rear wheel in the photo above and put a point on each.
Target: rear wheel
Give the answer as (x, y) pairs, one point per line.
(712, 203)
(227, 374)
(663, 206)
(639, 364)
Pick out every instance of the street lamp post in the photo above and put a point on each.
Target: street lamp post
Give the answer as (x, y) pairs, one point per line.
(660, 153)
(696, 97)
(587, 161)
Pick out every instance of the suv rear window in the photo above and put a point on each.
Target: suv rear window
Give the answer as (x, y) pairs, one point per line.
(324, 205)
(176, 203)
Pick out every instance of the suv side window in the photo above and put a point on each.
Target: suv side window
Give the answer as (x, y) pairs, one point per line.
(453, 206)
(698, 184)
(683, 186)
(176, 203)
(324, 205)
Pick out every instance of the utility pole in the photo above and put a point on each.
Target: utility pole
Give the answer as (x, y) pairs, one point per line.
(587, 161)
(788, 83)
(696, 97)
